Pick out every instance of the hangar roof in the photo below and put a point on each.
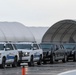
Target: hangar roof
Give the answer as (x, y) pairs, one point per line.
(14, 31)
(62, 31)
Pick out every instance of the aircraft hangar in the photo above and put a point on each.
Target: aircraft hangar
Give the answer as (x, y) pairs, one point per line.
(15, 32)
(63, 31)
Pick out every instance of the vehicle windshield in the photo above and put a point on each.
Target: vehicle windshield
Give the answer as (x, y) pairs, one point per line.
(23, 46)
(46, 46)
(69, 46)
(1, 46)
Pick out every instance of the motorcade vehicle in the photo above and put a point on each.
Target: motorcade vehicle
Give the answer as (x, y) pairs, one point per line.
(53, 52)
(8, 55)
(71, 50)
(29, 52)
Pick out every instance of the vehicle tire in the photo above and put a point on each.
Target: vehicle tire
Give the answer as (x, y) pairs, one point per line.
(65, 58)
(52, 59)
(40, 60)
(44, 61)
(15, 62)
(74, 57)
(18, 64)
(31, 63)
(56, 60)
(3, 63)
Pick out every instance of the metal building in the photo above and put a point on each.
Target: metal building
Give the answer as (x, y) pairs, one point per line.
(62, 31)
(14, 31)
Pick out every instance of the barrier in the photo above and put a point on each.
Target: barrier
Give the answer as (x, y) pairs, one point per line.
(24, 69)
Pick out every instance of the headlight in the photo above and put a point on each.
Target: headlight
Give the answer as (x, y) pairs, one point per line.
(0, 55)
(25, 53)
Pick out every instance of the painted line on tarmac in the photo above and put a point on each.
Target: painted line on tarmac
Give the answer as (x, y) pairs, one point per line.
(40, 73)
(70, 72)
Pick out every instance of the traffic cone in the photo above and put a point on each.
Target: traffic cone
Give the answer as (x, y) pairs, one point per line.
(23, 71)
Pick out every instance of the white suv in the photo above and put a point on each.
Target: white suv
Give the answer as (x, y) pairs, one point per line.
(8, 55)
(29, 53)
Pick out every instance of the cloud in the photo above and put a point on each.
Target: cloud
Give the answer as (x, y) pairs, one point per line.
(37, 12)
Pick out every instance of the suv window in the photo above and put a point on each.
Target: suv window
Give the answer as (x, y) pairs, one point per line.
(1, 46)
(68, 46)
(35, 46)
(57, 47)
(22, 46)
(61, 46)
(46, 46)
(9, 47)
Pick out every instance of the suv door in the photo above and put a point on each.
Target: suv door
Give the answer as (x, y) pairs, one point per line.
(62, 51)
(36, 52)
(59, 52)
(10, 54)
(56, 51)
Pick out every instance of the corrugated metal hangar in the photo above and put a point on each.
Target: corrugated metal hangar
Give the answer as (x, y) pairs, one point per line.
(62, 31)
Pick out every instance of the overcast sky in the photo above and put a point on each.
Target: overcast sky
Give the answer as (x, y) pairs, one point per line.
(37, 12)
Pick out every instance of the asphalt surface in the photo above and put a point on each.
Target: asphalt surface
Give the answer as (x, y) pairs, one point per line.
(44, 69)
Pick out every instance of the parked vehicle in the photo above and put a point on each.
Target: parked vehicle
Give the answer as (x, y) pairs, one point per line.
(71, 50)
(53, 52)
(8, 55)
(29, 53)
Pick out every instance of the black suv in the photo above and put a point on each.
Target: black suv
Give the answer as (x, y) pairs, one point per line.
(71, 50)
(53, 52)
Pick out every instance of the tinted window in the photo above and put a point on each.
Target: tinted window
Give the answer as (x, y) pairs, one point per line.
(46, 46)
(35, 46)
(9, 47)
(1, 46)
(61, 47)
(69, 46)
(23, 46)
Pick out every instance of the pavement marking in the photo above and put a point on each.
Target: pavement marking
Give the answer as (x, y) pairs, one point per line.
(68, 72)
(40, 73)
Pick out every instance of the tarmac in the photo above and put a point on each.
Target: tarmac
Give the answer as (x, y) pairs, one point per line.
(44, 69)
